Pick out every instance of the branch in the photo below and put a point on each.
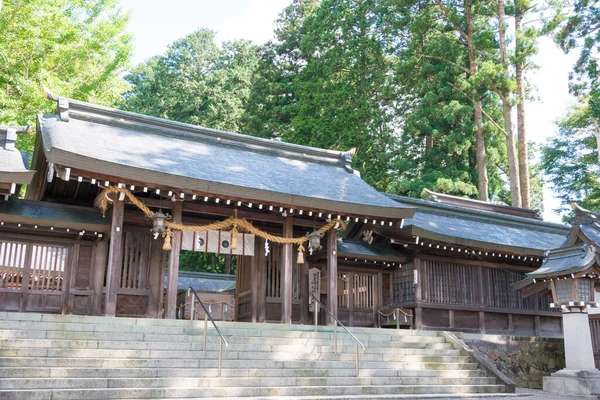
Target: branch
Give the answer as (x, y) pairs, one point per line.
(482, 110)
(449, 18)
(466, 70)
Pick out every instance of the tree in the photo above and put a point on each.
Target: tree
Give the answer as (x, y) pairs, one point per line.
(570, 160)
(76, 48)
(581, 31)
(448, 104)
(505, 95)
(196, 81)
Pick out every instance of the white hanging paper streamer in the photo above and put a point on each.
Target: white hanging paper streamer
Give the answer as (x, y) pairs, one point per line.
(210, 308)
(267, 251)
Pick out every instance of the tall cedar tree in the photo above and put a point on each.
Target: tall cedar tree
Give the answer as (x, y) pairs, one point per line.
(445, 85)
(76, 48)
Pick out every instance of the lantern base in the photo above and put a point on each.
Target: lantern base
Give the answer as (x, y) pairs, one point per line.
(576, 382)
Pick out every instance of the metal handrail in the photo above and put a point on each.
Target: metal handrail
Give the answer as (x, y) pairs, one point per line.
(358, 342)
(207, 316)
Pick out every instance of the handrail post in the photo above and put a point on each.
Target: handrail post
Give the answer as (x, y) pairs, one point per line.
(316, 315)
(335, 337)
(357, 360)
(205, 328)
(220, 357)
(397, 318)
(192, 311)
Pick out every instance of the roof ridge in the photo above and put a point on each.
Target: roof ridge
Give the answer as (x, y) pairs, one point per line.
(68, 108)
(523, 221)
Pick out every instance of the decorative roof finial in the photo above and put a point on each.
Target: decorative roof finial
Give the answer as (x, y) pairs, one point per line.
(62, 104)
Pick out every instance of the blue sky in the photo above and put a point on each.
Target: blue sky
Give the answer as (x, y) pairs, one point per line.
(156, 23)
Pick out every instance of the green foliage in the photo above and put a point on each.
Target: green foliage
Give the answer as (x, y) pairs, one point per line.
(196, 81)
(206, 262)
(570, 160)
(438, 130)
(581, 31)
(76, 48)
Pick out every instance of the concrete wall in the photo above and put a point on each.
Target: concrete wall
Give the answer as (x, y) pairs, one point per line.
(524, 359)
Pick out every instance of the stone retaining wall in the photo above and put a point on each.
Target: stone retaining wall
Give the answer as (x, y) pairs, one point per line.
(523, 359)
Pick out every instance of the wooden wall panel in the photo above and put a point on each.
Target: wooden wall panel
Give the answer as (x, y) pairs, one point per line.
(496, 322)
(84, 268)
(523, 324)
(465, 319)
(436, 318)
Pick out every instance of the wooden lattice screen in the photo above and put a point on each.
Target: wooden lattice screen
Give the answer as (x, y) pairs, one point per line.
(362, 291)
(451, 283)
(46, 268)
(12, 263)
(135, 272)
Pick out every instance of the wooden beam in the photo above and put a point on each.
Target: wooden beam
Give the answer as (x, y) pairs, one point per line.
(173, 273)
(287, 273)
(98, 270)
(227, 211)
(115, 259)
(332, 280)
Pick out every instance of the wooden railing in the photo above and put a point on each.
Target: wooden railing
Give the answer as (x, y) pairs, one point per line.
(468, 285)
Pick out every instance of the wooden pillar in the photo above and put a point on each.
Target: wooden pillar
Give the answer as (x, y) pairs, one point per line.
(157, 279)
(261, 278)
(115, 258)
(350, 299)
(378, 298)
(26, 277)
(69, 280)
(537, 325)
(481, 322)
(258, 276)
(287, 273)
(98, 270)
(420, 291)
(511, 327)
(173, 273)
(332, 280)
(304, 296)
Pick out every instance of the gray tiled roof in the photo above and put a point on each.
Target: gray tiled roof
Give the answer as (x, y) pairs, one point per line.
(57, 215)
(482, 229)
(13, 166)
(204, 282)
(358, 248)
(565, 261)
(154, 150)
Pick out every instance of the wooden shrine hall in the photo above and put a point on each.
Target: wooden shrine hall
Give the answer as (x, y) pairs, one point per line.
(112, 198)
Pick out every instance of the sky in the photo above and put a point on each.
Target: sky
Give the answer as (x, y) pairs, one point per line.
(157, 23)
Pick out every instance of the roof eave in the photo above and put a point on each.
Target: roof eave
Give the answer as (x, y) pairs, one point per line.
(425, 234)
(67, 159)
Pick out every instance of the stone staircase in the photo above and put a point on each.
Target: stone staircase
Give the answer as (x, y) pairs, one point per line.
(45, 356)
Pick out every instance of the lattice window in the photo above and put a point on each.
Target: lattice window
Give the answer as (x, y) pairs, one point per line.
(12, 262)
(47, 268)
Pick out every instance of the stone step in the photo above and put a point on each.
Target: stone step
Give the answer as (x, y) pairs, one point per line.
(324, 339)
(229, 355)
(227, 363)
(191, 392)
(297, 346)
(83, 383)
(78, 319)
(198, 328)
(70, 372)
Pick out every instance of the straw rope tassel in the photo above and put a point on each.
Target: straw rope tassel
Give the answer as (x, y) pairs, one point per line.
(103, 201)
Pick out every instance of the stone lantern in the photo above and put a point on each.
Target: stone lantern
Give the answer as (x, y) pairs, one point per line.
(571, 274)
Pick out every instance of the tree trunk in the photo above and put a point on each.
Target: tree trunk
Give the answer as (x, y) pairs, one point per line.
(227, 266)
(513, 166)
(522, 134)
(482, 183)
